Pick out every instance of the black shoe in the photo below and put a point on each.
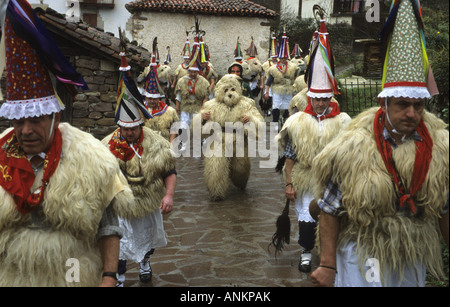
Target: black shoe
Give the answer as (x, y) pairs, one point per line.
(145, 273)
(305, 262)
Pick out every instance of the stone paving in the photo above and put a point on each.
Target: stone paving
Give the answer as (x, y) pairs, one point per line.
(224, 243)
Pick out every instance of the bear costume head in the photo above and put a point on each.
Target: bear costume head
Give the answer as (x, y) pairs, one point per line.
(228, 90)
(255, 66)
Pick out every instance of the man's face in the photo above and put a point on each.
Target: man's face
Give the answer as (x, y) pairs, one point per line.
(283, 61)
(152, 102)
(320, 104)
(34, 134)
(405, 113)
(235, 70)
(192, 74)
(131, 135)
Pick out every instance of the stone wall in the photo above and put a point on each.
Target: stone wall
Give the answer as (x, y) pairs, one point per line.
(93, 110)
(221, 35)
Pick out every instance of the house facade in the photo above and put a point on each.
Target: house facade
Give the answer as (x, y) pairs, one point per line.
(143, 20)
(223, 22)
(105, 14)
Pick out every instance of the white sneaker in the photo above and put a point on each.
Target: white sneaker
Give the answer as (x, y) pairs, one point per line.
(145, 272)
(120, 281)
(305, 262)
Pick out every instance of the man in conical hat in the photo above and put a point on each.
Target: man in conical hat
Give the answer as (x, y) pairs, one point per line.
(303, 136)
(146, 160)
(383, 184)
(182, 69)
(256, 79)
(192, 91)
(280, 79)
(273, 58)
(60, 188)
(207, 70)
(163, 115)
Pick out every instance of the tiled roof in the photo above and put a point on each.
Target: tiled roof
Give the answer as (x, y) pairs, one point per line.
(93, 38)
(210, 7)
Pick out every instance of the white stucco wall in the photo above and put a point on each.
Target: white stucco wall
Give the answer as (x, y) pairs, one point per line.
(221, 35)
(108, 19)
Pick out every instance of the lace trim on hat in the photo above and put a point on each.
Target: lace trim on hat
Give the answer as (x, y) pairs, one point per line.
(319, 95)
(17, 109)
(129, 124)
(405, 91)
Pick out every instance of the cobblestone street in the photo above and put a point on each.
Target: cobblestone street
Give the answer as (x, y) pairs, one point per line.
(225, 243)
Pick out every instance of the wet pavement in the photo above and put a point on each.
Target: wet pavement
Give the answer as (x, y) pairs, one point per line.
(224, 243)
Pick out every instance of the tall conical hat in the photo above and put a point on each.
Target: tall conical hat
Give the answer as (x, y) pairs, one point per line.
(194, 63)
(168, 59)
(252, 51)
(273, 46)
(283, 51)
(32, 59)
(186, 53)
(297, 52)
(320, 70)
(204, 53)
(237, 51)
(130, 108)
(406, 71)
(152, 87)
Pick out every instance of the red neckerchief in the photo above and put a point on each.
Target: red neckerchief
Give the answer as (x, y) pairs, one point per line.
(18, 176)
(160, 108)
(282, 67)
(191, 86)
(421, 162)
(121, 149)
(334, 111)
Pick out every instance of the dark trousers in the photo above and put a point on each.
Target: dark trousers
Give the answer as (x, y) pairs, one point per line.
(276, 115)
(307, 235)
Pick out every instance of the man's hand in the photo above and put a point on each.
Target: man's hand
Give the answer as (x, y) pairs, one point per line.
(206, 115)
(290, 192)
(323, 277)
(166, 205)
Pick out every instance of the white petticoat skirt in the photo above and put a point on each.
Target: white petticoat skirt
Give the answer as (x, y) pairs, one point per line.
(140, 235)
(302, 208)
(350, 273)
(281, 102)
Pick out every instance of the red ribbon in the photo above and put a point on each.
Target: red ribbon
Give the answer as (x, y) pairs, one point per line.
(421, 163)
(17, 175)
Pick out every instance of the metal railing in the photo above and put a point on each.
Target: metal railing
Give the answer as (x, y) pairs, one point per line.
(357, 95)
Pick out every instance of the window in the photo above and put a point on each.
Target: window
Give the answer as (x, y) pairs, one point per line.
(90, 19)
(348, 6)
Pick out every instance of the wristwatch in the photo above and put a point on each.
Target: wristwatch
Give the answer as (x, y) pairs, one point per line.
(114, 275)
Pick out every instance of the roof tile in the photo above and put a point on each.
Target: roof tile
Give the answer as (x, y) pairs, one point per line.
(216, 7)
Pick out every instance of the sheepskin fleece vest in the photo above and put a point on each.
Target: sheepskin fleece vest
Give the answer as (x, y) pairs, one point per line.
(163, 122)
(221, 113)
(303, 130)
(156, 161)
(192, 103)
(369, 198)
(35, 247)
(283, 84)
